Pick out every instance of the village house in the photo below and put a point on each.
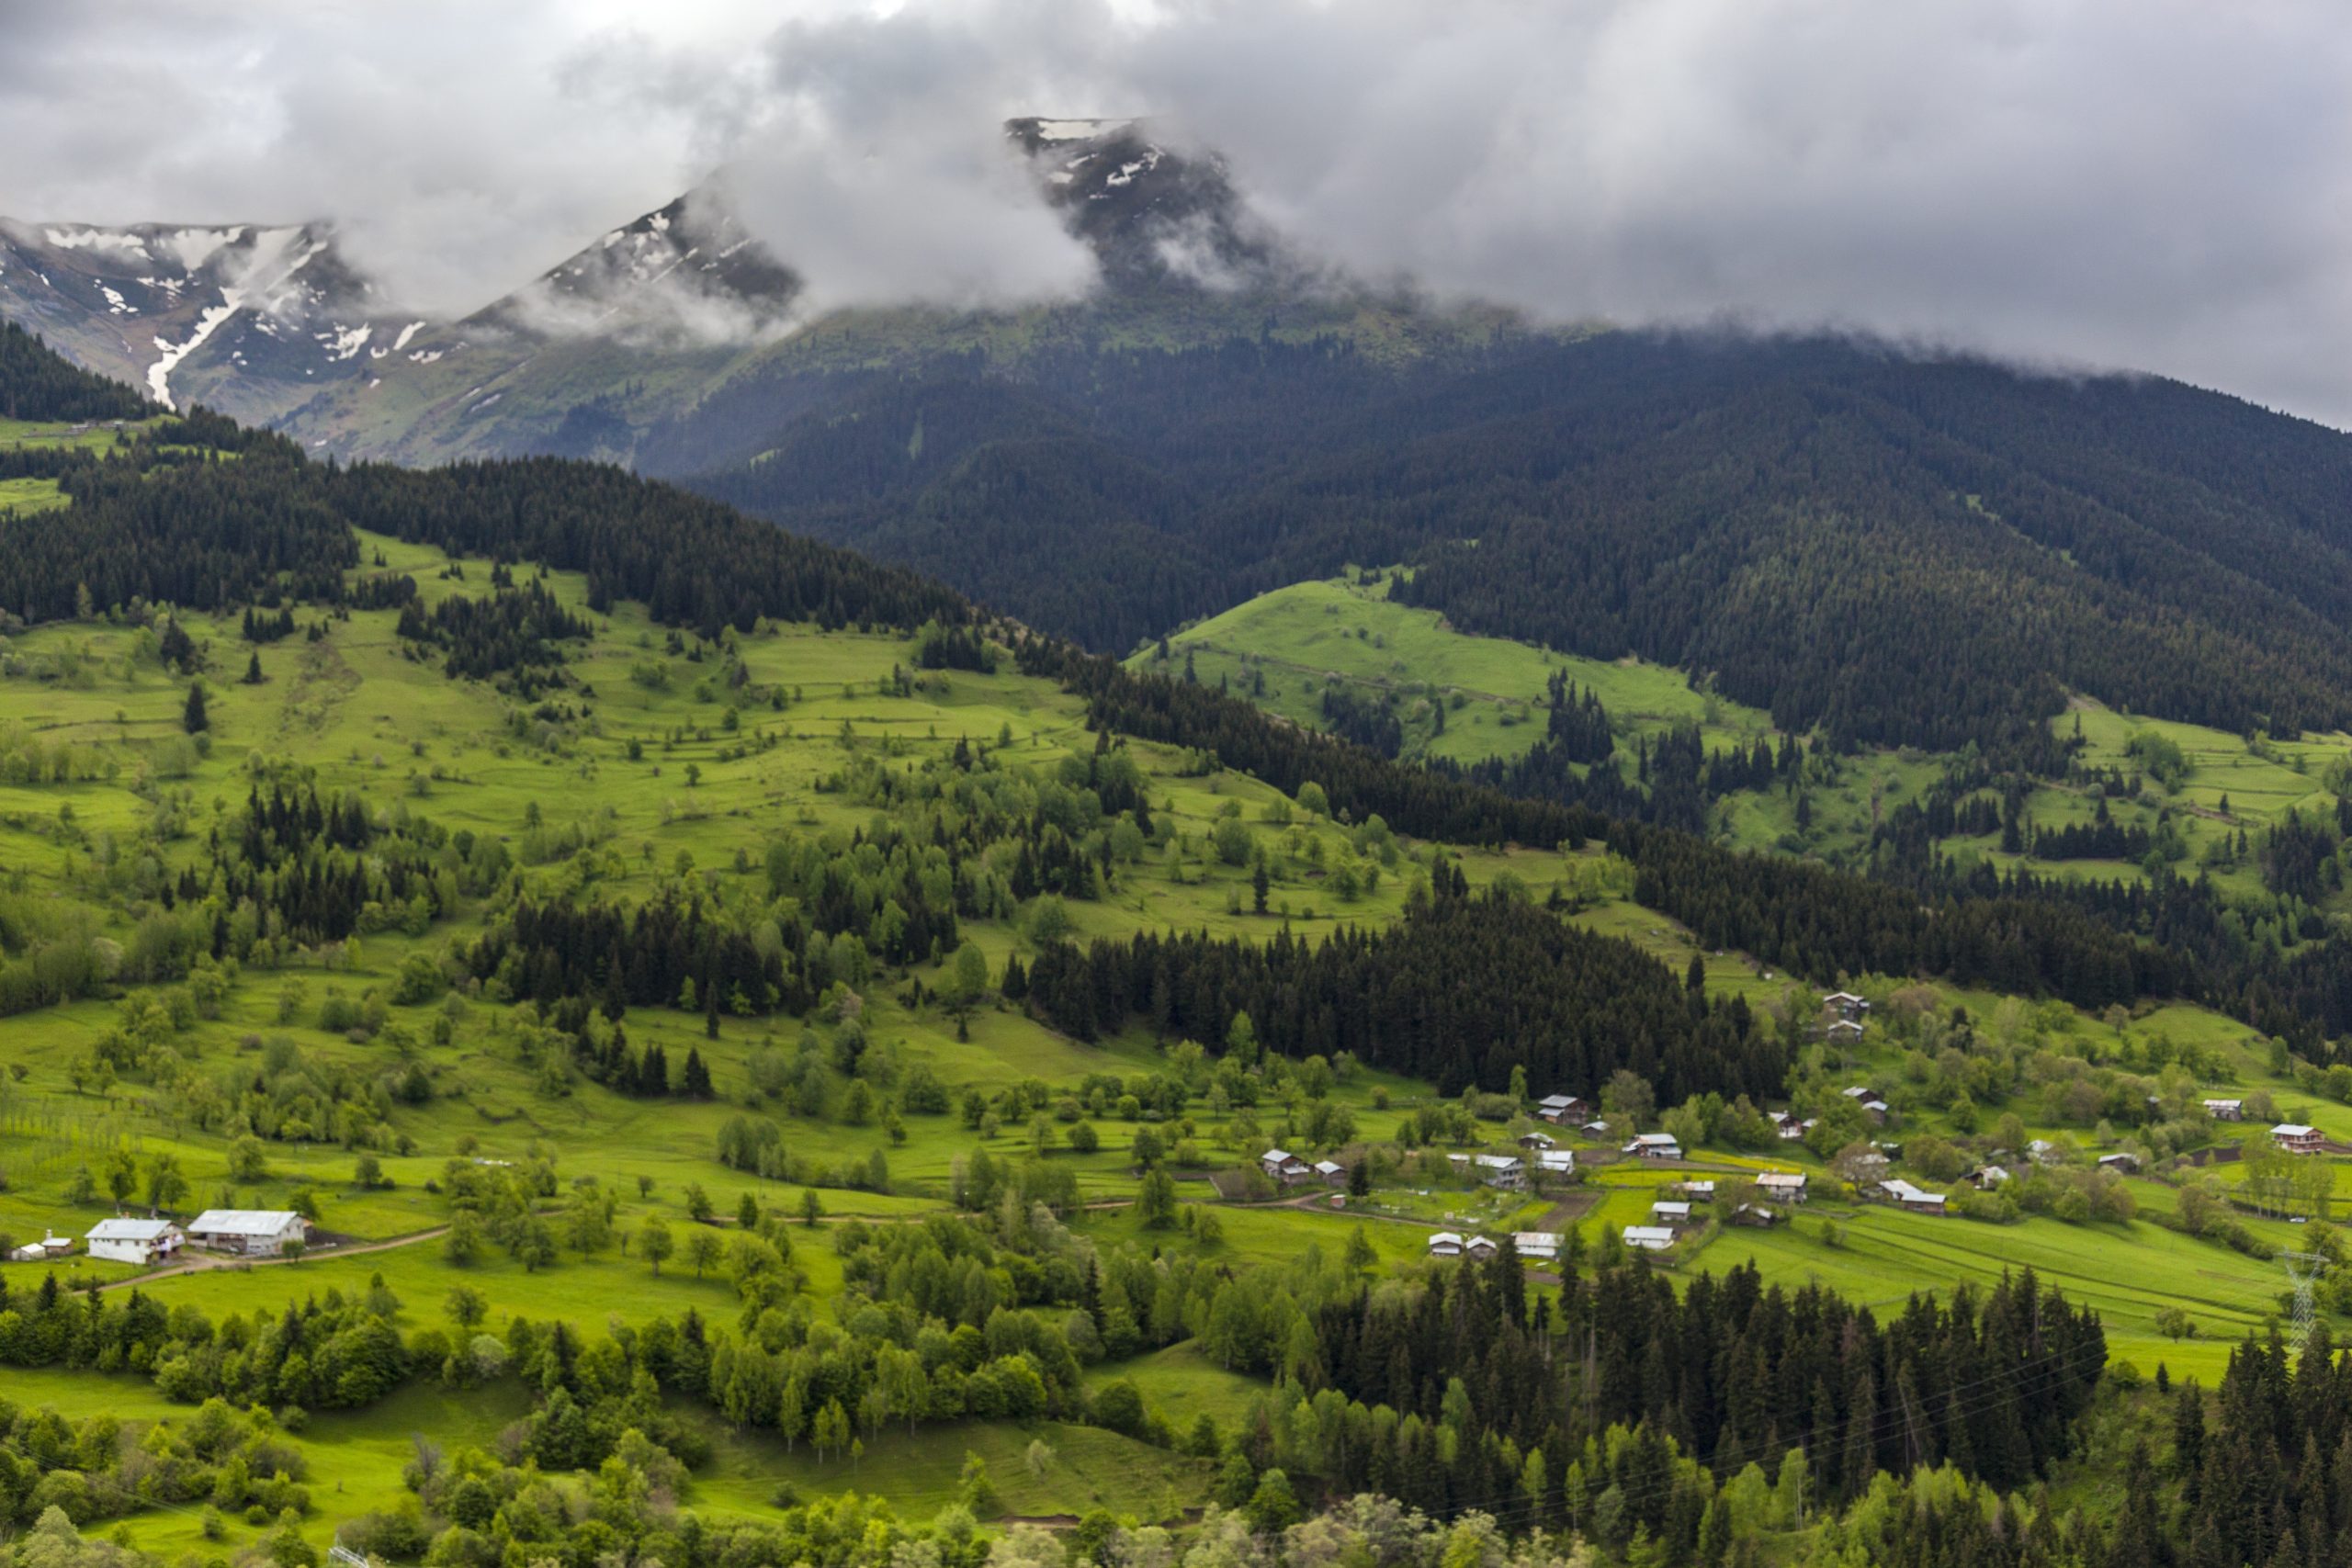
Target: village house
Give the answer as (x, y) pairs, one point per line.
(2297, 1139)
(124, 1240)
(1848, 1007)
(1648, 1238)
(1333, 1173)
(2225, 1109)
(1506, 1171)
(1987, 1177)
(1904, 1194)
(1758, 1214)
(2124, 1162)
(1595, 1129)
(42, 1251)
(1562, 1109)
(1873, 1103)
(1844, 1031)
(1480, 1246)
(1864, 1170)
(1284, 1167)
(1701, 1191)
(1538, 1141)
(2042, 1151)
(1445, 1244)
(1781, 1186)
(1653, 1146)
(1788, 1127)
(248, 1232)
(1544, 1246)
(1557, 1165)
(1670, 1212)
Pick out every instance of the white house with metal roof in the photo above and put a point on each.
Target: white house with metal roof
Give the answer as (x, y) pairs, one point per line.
(125, 1240)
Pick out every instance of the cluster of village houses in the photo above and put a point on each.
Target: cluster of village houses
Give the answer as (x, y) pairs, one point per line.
(1774, 1191)
(234, 1233)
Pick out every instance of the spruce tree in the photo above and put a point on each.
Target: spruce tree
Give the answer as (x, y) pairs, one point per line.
(193, 717)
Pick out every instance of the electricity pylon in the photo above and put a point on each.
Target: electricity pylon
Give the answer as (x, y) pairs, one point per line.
(2303, 1268)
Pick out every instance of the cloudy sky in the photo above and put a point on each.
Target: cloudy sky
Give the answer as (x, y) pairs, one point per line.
(2164, 185)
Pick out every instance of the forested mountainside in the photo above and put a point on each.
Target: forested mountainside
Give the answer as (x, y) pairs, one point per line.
(1878, 547)
(1883, 547)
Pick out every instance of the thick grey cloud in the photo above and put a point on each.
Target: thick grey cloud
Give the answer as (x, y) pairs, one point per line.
(452, 141)
(2158, 184)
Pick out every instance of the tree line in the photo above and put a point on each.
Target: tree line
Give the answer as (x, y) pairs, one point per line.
(1463, 991)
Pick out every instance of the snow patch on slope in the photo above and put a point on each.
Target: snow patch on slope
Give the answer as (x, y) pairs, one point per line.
(1075, 129)
(95, 240)
(159, 375)
(345, 343)
(193, 247)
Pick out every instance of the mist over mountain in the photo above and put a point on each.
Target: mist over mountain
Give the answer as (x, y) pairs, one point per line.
(277, 325)
(1222, 410)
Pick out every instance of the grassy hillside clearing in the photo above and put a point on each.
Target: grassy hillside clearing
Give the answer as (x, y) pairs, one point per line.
(1286, 647)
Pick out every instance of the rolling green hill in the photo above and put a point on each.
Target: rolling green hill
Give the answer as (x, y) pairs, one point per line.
(1286, 649)
(1345, 631)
